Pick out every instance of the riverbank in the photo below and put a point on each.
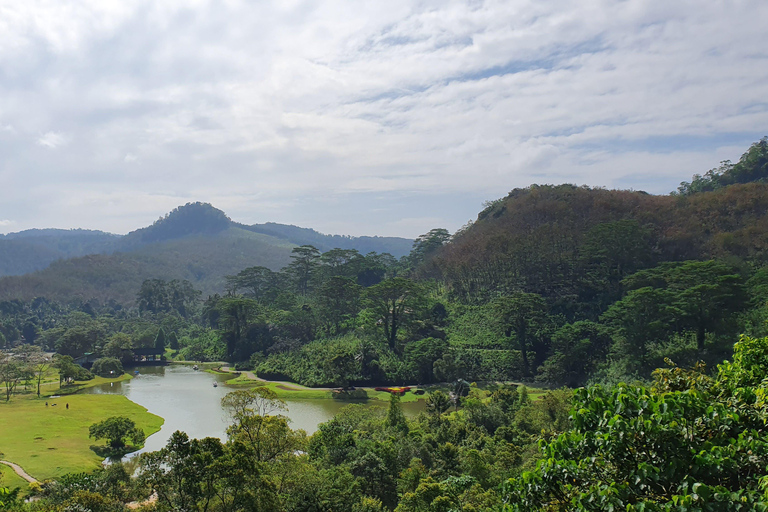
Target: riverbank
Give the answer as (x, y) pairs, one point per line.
(48, 441)
(293, 391)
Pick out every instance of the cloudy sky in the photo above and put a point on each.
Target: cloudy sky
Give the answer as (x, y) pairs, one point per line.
(363, 117)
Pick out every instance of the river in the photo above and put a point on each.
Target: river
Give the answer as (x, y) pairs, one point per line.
(188, 401)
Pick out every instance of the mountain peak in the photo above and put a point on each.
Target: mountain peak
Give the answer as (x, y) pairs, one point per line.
(190, 219)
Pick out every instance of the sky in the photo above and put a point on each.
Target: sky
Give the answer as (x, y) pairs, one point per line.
(363, 117)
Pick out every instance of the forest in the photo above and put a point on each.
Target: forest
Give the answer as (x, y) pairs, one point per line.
(642, 318)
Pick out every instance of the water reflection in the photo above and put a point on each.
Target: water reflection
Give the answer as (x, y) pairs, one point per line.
(188, 401)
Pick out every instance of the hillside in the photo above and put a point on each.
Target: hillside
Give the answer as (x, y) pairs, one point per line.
(202, 260)
(395, 246)
(574, 244)
(35, 249)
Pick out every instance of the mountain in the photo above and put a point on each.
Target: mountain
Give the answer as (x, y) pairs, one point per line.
(203, 260)
(196, 242)
(35, 249)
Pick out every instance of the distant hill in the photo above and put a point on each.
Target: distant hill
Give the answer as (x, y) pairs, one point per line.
(196, 242)
(202, 260)
(35, 249)
(395, 246)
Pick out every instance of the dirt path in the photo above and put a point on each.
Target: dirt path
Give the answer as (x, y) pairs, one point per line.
(23, 474)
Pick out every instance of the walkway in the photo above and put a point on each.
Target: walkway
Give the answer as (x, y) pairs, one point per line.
(23, 474)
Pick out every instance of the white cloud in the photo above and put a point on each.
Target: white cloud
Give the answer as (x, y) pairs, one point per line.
(274, 104)
(52, 140)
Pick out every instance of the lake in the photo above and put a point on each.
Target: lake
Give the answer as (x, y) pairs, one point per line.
(189, 402)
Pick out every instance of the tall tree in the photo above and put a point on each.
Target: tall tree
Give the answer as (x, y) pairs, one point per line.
(338, 300)
(523, 315)
(236, 315)
(160, 340)
(395, 303)
(306, 261)
(427, 244)
(704, 295)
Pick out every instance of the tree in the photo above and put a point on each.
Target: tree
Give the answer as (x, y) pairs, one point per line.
(689, 443)
(341, 262)
(395, 417)
(107, 367)
(338, 301)
(68, 370)
(395, 303)
(701, 296)
(119, 347)
(116, 430)
(577, 350)
(35, 362)
(303, 267)
(268, 437)
(260, 401)
(173, 341)
(11, 373)
(523, 315)
(160, 340)
(438, 402)
(427, 244)
(203, 474)
(614, 250)
(258, 283)
(236, 315)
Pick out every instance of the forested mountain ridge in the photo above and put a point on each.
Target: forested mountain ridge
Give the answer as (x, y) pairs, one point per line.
(33, 249)
(566, 240)
(200, 259)
(200, 224)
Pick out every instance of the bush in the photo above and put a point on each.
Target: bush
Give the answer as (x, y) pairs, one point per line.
(107, 367)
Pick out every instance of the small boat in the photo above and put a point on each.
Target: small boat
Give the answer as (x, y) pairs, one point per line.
(215, 384)
(195, 367)
(135, 372)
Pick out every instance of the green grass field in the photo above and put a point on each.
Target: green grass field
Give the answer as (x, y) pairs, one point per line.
(51, 441)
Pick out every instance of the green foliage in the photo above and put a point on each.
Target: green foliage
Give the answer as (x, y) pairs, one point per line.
(9, 498)
(751, 167)
(395, 304)
(524, 316)
(688, 442)
(69, 371)
(107, 367)
(116, 430)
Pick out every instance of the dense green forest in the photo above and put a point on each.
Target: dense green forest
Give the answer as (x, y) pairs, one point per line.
(556, 286)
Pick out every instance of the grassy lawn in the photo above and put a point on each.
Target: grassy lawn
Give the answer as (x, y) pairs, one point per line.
(51, 441)
(9, 478)
(299, 392)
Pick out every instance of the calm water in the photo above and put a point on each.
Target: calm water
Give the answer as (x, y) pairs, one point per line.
(187, 400)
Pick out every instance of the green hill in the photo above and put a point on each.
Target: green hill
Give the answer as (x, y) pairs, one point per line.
(575, 244)
(202, 260)
(34, 249)
(195, 242)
